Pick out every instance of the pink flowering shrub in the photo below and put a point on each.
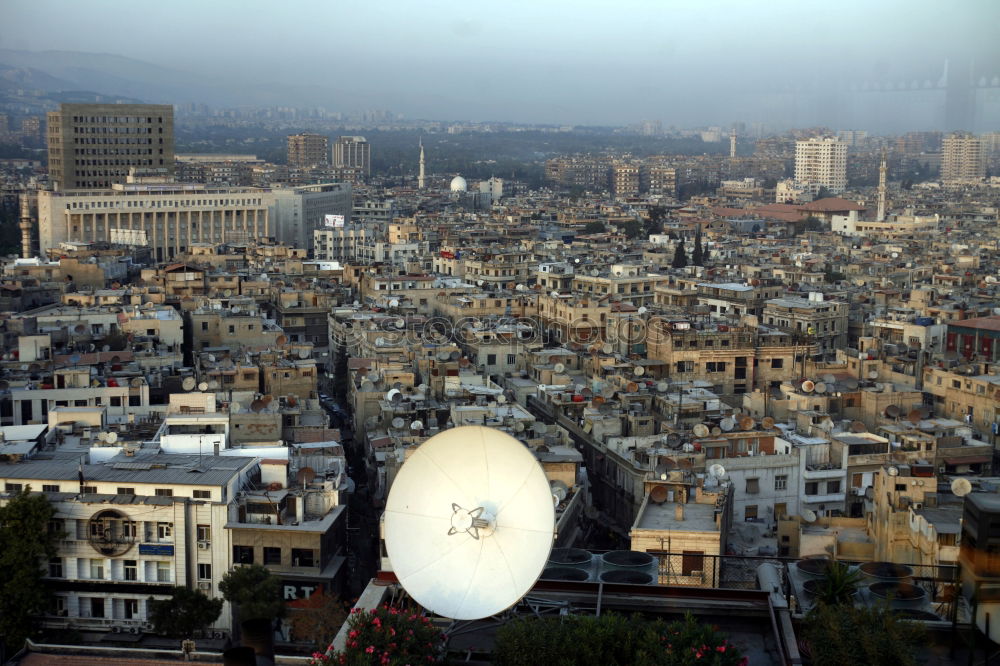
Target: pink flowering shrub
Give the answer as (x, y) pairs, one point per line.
(613, 639)
(386, 635)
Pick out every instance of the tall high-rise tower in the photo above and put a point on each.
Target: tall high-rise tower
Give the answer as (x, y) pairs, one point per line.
(962, 157)
(732, 143)
(93, 146)
(821, 162)
(420, 175)
(883, 171)
(307, 150)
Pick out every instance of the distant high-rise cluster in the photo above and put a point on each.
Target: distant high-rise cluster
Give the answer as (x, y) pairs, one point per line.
(306, 150)
(93, 146)
(821, 162)
(962, 157)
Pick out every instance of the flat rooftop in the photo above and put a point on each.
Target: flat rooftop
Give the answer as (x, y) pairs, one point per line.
(697, 517)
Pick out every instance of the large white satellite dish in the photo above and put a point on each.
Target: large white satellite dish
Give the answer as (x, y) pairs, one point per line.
(469, 522)
(961, 487)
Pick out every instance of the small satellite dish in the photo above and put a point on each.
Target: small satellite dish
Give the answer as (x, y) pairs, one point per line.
(858, 427)
(102, 436)
(213, 384)
(281, 340)
(808, 516)
(746, 423)
(417, 425)
(455, 355)
(701, 430)
(188, 383)
(727, 424)
(892, 411)
(716, 431)
(257, 406)
(469, 522)
(398, 422)
(559, 367)
(639, 371)
(203, 386)
(631, 387)
(393, 302)
(961, 487)
(767, 422)
(808, 386)
(717, 471)
(662, 387)
(607, 348)
(304, 353)
(873, 374)
(892, 470)
(659, 494)
(111, 437)
(643, 310)
(820, 387)
(914, 416)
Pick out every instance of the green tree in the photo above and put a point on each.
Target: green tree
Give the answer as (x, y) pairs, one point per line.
(680, 256)
(255, 592)
(838, 584)
(26, 542)
(872, 635)
(184, 613)
(697, 255)
(632, 229)
(594, 228)
(318, 619)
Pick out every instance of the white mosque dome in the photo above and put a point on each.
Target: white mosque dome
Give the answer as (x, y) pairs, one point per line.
(458, 184)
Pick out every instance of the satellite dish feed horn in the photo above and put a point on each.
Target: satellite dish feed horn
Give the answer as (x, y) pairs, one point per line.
(469, 522)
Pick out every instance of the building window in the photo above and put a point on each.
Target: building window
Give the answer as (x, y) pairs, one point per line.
(56, 567)
(780, 510)
(49, 488)
(777, 363)
(164, 531)
(204, 571)
(243, 554)
(163, 572)
(832, 487)
(126, 491)
(750, 512)
(204, 533)
(272, 555)
(491, 359)
(753, 486)
(13, 487)
(202, 494)
(812, 488)
(130, 608)
(781, 482)
(97, 569)
(511, 359)
(131, 570)
(164, 492)
(715, 366)
(857, 480)
(204, 325)
(302, 557)
(96, 607)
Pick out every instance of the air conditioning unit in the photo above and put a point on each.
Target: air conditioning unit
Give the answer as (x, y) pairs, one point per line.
(204, 585)
(219, 634)
(116, 629)
(204, 545)
(135, 630)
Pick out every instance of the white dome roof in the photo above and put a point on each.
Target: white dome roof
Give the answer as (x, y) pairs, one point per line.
(458, 184)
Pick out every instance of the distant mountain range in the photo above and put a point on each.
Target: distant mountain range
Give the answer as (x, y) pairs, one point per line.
(120, 77)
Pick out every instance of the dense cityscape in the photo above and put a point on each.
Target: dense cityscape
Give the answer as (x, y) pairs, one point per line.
(757, 362)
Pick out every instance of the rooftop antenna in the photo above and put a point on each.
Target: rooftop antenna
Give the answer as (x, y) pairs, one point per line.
(469, 522)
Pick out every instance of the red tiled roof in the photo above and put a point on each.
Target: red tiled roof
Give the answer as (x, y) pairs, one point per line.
(831, 205)
(991, 323)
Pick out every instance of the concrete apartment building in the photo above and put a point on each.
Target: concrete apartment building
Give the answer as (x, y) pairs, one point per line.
(168, 218)
(353, 152)
(306, 150)
(823, 322)
(962, 158)
(299, 211)
(93, 146)
(821, 162)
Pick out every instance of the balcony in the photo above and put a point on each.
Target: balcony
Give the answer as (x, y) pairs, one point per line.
(822, 471)
(828, 498)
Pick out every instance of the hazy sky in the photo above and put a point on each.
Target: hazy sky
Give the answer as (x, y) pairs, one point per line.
(540, 60)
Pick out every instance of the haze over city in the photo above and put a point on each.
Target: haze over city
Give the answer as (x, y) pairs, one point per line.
(585, 63)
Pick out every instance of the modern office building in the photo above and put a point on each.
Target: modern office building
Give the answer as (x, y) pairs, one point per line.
(306, 150)
(93, 146)
(821, 162)
(962, 158)
(298, 211)
(353, 152)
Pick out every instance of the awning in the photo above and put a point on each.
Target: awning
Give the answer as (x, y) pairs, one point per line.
(970, 460)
